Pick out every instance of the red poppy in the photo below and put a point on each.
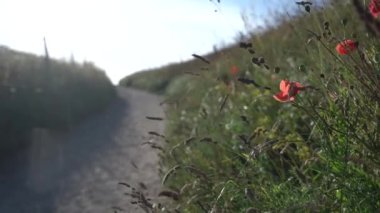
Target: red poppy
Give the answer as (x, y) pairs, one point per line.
(347, 46)
(234, 70)
(289, 90)
(374, 8)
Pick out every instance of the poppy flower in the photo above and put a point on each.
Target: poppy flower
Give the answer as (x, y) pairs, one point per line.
(347, 46)
(289, 90)
(234, 70)
(374, 8)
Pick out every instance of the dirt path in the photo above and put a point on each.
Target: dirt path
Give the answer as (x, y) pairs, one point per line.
(79, 171)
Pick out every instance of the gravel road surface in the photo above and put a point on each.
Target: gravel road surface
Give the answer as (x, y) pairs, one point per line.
(79, 170)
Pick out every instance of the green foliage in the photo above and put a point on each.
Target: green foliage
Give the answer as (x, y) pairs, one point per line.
(39, 92)
(249, 153)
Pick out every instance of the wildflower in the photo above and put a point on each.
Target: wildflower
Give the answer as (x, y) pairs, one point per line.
(374, 8)
(347, 46)
(234, 70)
(289, 90)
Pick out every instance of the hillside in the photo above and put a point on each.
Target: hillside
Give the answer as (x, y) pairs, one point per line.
(286, 121)
(276, 44)
(39, 92)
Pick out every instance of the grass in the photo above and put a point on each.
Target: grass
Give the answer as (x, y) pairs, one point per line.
(232, 148)
(39, 92)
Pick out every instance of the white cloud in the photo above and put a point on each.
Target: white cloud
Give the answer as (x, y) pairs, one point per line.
(119, 36)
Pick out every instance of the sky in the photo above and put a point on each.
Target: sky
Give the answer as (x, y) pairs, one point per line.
(123, 36)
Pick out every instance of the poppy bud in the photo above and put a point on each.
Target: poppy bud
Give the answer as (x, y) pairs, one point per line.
(344, 22)
(307, 8)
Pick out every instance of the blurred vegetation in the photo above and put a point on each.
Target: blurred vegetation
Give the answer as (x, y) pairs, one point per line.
(230, 147)
(38, 92)
(160, 79)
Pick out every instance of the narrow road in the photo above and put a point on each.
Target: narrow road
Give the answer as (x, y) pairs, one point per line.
(79, 170)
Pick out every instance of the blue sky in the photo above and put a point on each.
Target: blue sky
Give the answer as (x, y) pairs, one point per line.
(124, 36)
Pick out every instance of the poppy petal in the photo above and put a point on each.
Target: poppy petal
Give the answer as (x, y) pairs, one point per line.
(341, 50)
(284, 85)
(289, 90)
(374, 8)
(281, 97)
(346, 46)
(298, 85)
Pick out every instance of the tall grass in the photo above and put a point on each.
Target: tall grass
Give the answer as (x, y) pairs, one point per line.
(45, 93)
(232, 148)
